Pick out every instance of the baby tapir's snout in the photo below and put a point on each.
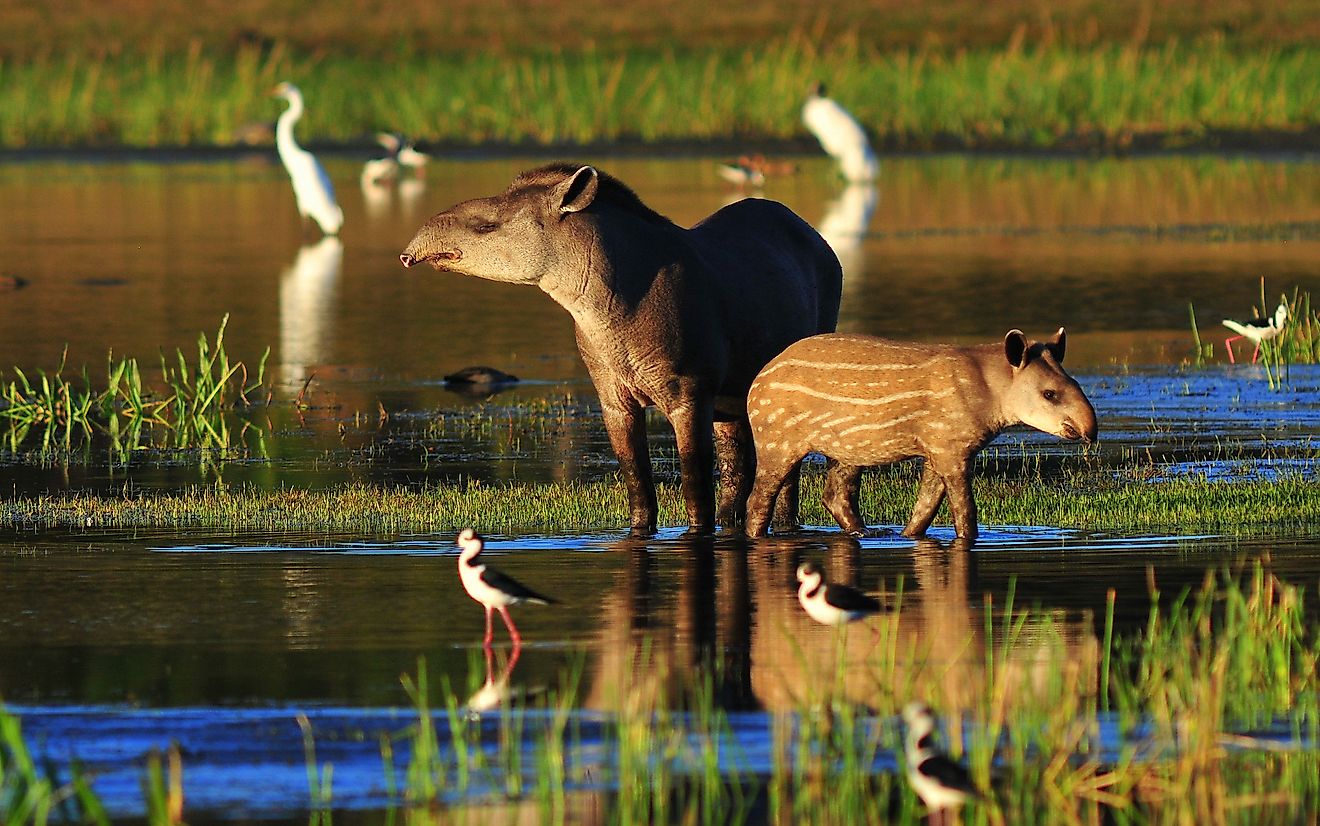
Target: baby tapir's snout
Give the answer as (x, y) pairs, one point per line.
(1041, 394)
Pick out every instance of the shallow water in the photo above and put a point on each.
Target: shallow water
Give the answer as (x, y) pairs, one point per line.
(111, 643)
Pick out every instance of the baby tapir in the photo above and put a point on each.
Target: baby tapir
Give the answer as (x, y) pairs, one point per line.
(862, 400)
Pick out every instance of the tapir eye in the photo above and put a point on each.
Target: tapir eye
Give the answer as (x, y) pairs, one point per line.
(1050, 395)
(489, 226)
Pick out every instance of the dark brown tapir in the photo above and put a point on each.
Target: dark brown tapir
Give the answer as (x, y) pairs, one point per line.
(862, 400)
(681, 319)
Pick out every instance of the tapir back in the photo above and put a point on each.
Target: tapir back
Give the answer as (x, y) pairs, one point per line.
(866, 400)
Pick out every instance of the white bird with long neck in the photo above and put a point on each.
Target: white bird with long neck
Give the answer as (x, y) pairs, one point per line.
(311, 186)
(840, 135)
(1257, 329)
(494, 590)
(942, 784)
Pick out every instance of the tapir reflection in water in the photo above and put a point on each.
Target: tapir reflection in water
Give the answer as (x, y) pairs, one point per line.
(862, 401)
(677, 318)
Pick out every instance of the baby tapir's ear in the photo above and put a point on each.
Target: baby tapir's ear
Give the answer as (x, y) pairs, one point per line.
(577, 191)
(1057, 346)
(1015, 348)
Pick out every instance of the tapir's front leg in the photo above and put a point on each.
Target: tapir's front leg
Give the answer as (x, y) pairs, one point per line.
(693, 423)
(843, 484)
(625, 422)
(929, 497)
(958, 482)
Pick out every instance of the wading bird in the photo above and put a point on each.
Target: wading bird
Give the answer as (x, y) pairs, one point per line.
(840, 135)
(831, 603)
(491, 588)
(399, 151)
(942, 784)
(1257, 329)
(311, 186)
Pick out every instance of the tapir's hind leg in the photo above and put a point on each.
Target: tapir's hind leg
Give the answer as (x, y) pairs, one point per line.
(772, 472)
(786, 503)
(842, 486)
(929, 497)
(736, 461)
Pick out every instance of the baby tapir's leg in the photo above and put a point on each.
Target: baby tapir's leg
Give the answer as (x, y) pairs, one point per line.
(929, 497)
(842, 485)
(786, 503)
(773, 470)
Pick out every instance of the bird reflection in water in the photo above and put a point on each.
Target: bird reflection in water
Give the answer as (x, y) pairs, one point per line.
(496, 690)
(844, 226)
(308, 293)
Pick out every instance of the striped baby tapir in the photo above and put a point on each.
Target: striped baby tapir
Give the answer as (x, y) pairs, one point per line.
(864, 401)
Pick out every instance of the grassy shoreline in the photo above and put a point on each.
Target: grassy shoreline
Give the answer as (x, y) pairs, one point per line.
(1290, 504)
(1112, 97)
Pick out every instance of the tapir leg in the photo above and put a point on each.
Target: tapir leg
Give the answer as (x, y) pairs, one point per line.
(772, 471)
(961, 504)
(693, 431)
(737, 463)
(842, 486)
(626, 426)
(929, 497)
(786, 503)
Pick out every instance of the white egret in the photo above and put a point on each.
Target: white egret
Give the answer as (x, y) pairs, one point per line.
(840, 135)
(311, 186)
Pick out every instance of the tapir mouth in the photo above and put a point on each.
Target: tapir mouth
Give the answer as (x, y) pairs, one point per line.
(433, 259)
(1073, 434)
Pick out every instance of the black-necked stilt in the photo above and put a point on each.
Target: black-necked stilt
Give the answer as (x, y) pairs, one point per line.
(840, 135)
(941, 783)
(312, 190)
(491, 588)
(831, 603)
(1257, 329)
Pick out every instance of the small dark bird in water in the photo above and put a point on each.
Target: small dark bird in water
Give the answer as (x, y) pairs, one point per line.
(480, 375)
(942, 784)
(831, 603)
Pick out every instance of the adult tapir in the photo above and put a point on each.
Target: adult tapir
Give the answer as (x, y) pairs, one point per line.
(682, 319)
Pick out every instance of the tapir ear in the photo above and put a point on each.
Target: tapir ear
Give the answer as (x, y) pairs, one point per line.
(1015, 348)
(1057, 346)
(578, 191)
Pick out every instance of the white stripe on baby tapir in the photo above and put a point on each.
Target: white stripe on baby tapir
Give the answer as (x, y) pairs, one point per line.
(865, 402)
(837, 365)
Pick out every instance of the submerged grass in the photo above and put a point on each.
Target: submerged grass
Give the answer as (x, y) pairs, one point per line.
(1084, 501)
(1105, 95)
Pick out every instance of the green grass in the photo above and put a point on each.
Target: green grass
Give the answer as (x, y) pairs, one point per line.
(1100, 500)
(1037, 95)
(60, 414)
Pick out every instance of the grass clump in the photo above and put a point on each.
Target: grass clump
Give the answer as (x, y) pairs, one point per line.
(61, 414)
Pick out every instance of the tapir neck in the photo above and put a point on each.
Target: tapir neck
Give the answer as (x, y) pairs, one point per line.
(593, 284)
(997, 374)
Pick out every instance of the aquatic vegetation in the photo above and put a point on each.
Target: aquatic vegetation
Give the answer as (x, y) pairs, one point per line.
(1299, 343)
(32, 795)
(62, 414)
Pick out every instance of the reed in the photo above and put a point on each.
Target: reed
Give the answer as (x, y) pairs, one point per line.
(1108, 96)
(61, 414)
(35, 795)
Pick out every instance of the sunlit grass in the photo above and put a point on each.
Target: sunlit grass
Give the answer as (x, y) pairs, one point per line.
(190, 409)
(1107, 96)
(1098, 501)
